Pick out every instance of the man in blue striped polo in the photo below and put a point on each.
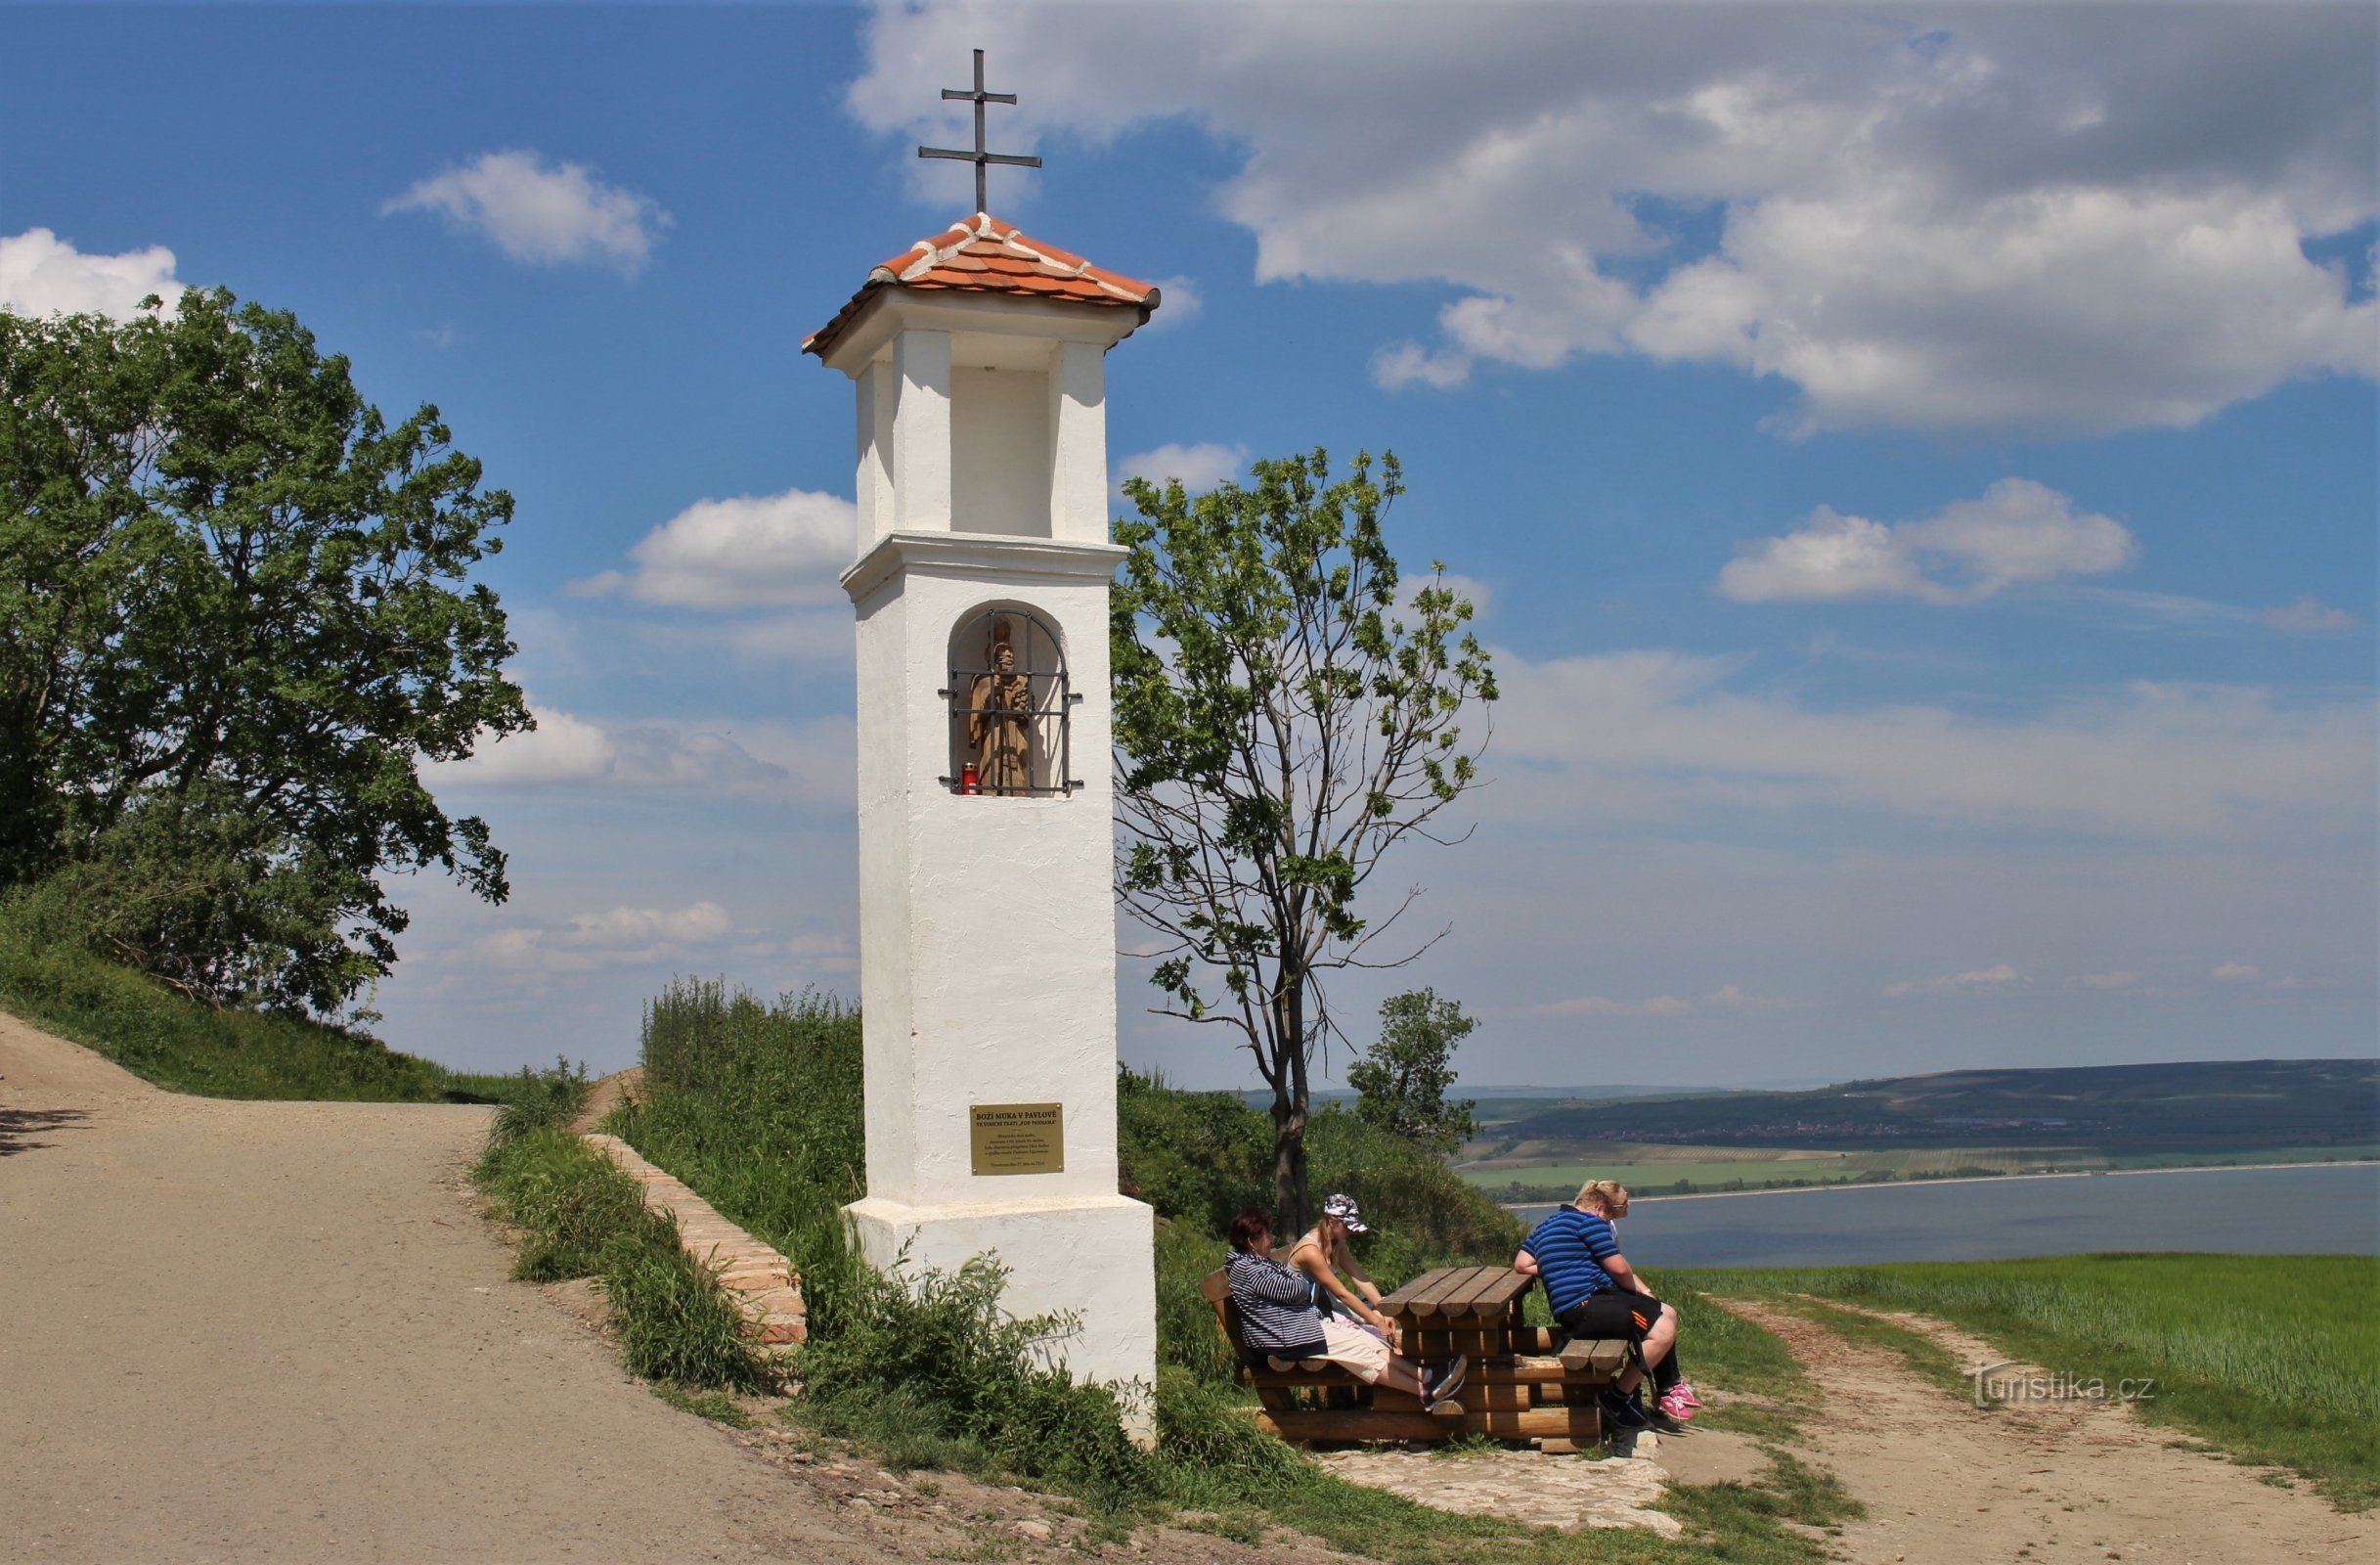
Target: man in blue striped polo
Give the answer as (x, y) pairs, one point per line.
(1595, 1293)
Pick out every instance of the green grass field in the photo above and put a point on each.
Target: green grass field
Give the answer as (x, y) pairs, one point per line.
(2273, 1360)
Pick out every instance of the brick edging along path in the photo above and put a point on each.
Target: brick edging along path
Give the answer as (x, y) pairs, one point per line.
(760, 1282)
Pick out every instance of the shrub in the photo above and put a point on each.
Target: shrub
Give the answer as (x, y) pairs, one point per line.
(1422, 1213)
(938, 1346)
(541, 1099)
(1199, 1157)
(1186, 1334)
(1196, 1157)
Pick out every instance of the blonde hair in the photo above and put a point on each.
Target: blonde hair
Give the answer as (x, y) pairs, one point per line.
(1603, 1195)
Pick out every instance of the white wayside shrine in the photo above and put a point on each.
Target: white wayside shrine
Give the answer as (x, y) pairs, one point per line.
(986, 909)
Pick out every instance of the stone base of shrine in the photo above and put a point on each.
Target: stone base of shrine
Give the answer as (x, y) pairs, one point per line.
(1089, 1257)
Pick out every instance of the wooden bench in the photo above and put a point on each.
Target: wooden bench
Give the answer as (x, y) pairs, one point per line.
(1524, 1382)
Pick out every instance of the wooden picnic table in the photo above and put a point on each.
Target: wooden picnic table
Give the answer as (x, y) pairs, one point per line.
(1524, 1382)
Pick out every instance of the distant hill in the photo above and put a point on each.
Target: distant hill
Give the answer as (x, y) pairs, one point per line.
(2205, 1105)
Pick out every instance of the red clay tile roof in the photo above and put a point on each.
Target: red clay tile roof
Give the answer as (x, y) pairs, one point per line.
(984, 255)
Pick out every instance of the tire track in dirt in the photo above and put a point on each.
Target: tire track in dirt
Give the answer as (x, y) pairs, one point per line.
(2035, 1483)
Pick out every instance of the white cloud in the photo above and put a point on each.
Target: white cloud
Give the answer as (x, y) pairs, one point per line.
(1982, 980)
(1598, 1006)
(1727, 996)
(565, 750)
(638, 926)
(2307, 616)
(2105, 980)
(1179, 301)
(752, 551)
(2017, 532)
(2151, 610)
(2234, 972)
(1647, 734)
(821, 956)
(1986, 217)
(41, 274)
(1198, 466)
(540, 213)
(619, 937)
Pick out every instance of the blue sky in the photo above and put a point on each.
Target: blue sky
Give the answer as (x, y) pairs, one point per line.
(1917, 464)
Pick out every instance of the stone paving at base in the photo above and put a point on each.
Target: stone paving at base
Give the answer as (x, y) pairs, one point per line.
(1520, 1486)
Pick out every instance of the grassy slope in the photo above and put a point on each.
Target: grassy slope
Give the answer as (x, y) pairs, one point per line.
(757, 1107)
(173, 1040)
(2273, 1359)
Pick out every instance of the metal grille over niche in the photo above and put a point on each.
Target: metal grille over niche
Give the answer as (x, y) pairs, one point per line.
(1011, 708)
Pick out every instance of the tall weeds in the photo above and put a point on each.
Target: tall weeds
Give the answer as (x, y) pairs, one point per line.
(758, 1106)
(583, 1217)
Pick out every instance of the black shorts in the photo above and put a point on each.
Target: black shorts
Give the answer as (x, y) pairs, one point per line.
(1616, 1314)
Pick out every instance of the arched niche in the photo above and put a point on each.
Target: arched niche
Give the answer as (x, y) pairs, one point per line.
(1011, 706)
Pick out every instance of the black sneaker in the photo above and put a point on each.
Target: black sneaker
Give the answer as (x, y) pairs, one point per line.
(1619, 1413)
(1446, 1381)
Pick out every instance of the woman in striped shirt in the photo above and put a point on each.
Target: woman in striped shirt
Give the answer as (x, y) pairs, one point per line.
(1279, 1319)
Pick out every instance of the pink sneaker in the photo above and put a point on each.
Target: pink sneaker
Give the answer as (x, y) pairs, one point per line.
(1686, 1389)
(1677, 1404)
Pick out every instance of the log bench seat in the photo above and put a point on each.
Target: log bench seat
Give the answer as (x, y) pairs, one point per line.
(1524, 1382)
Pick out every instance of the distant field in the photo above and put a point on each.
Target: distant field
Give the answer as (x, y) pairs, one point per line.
(2274, 1359)
(1652, 1169)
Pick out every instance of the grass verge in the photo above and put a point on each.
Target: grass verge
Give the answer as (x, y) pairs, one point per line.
(756, 1105)
(185, 1047)
(583, 1216)
(2273, 1360)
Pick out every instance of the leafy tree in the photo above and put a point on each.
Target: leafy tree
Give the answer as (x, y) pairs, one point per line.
(1284, 718)
(234, 618)
(1401, 1084)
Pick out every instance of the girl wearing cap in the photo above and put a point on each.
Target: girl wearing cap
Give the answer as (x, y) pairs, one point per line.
(1323, 1253)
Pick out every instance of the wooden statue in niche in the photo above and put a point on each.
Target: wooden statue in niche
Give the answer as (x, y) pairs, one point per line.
(999, 719)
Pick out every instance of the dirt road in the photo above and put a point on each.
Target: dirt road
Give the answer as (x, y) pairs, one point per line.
(2038, 1483)
(270, 1332)
(274, 1331)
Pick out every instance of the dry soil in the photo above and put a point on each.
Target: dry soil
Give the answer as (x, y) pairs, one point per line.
(281, 1332)
(2038, 1483)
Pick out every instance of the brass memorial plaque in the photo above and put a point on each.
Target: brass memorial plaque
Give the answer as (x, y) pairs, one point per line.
(1017, 1137)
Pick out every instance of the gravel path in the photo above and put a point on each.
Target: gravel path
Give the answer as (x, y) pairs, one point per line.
(264, 1332)
(276, 1332)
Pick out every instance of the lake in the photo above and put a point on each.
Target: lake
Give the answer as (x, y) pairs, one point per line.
(2325, 1209)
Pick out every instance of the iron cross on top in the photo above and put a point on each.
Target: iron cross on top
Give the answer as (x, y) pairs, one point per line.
(979, 158)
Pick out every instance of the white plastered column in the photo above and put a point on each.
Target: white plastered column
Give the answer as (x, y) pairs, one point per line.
(921, 431)
(987, 956)
(987, 963)
(1078, 439)
(872, 485)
